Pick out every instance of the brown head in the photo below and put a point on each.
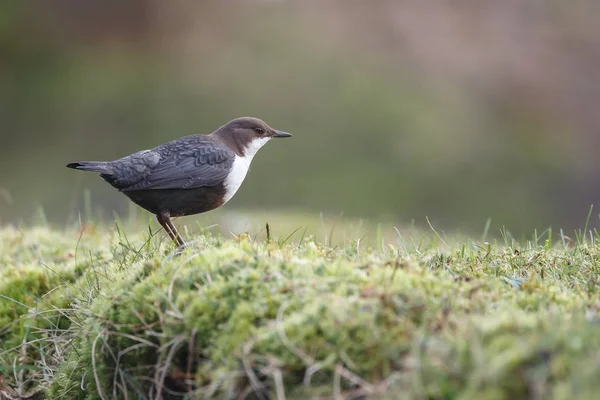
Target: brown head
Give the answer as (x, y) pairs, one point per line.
(247, 135)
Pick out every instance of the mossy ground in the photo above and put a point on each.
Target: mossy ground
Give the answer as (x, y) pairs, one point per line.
(94, 315)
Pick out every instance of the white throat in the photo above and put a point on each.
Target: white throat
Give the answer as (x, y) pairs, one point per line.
(240, 167)
(254, 146)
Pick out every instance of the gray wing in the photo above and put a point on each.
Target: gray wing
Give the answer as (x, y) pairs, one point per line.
(186, 163)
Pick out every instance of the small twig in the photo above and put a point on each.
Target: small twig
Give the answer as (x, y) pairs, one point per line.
(118, 364)
(308, 360)
(162, 371)
(96, 378)
(337, 383)
(273, 370)
(355, 379)
(256, 385)
(316, 367)
(190, 358)
(279, 388)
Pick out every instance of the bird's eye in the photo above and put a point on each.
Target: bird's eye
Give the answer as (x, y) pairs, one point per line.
(258, 130)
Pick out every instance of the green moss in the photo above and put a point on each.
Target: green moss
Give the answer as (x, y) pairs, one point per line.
(232, 318)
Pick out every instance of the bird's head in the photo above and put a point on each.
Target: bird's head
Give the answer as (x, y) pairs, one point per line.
(247, 135)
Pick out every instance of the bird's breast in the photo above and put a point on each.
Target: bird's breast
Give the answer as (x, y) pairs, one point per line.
(236, 176)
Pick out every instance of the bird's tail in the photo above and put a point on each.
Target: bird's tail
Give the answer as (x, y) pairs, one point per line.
(96, 166)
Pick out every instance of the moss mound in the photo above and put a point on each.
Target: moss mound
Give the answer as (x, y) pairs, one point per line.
(238, 319)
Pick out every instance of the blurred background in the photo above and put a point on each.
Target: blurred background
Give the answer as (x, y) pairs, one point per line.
(456, 110)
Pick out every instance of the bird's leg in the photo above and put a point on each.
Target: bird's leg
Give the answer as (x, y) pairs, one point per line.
(176, 236)
(164, 221)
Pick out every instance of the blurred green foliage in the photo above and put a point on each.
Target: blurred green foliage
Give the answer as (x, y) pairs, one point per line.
(376, 134)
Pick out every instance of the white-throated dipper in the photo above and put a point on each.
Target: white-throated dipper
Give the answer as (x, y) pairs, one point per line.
(189, 175)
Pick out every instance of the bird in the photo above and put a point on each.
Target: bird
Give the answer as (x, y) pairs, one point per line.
(189, 175)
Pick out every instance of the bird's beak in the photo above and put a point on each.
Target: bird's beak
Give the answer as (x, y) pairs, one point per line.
(281, 134)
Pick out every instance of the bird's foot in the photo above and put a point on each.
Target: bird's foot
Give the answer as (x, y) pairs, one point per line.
(180, 248)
